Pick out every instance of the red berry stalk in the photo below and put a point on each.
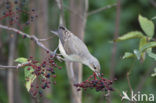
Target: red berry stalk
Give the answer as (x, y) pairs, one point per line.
(45, 72)
(99, 83)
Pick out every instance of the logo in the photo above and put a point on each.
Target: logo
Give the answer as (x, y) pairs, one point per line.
(137, 96)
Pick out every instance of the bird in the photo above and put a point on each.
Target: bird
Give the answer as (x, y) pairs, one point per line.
(75, 50)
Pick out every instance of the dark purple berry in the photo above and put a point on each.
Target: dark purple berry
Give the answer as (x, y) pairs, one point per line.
(17, 8)
(7, 2)
(24, 36)
(33, 10)
(53, 72)
(48, 75)
(27, 23)
(40, 92)
(4, 13)
(8, 7)
(16, 2)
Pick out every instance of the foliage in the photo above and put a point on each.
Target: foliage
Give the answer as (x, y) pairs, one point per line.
(146, 44)
(28, 72)
(99, 31)
(154, 74)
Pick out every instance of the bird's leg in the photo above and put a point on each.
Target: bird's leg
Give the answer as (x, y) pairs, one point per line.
(58, 55)
(61, 58)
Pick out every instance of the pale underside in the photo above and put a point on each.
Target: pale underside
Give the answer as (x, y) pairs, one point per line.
(74, 50)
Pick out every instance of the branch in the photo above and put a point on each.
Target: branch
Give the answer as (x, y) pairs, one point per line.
(129, 83)
(31, 37)
(14, 67)
(60, 6)
(153, 3)
(144, 78)
(42, 40)
(101, 9)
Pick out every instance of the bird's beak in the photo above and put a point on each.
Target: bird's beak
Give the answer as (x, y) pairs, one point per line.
(54, 32)
(98, 74)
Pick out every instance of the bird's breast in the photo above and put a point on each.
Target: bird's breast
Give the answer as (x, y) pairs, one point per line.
(62, 51)
(72, 57)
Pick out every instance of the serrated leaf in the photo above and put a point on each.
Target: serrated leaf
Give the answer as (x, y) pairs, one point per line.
(130, 35)
(21, 60)
(29, 77)
(147, 46)
(127, 55)
(137, 54)
(147, 26)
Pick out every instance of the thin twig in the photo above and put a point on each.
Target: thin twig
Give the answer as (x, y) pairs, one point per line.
(101, 9)
(129, 83)
(153, 3)
(114, 49)
(14, 67)
(144, 78)
(31, 37)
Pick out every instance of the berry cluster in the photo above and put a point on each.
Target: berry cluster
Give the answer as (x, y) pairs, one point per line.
(99, 83)
(14, 11)
(44, 72)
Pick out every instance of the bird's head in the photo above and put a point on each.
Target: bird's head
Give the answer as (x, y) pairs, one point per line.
(95, 65)
(63, 31)
(61, 28)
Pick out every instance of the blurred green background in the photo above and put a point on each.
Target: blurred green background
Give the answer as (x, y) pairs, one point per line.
(99, 33)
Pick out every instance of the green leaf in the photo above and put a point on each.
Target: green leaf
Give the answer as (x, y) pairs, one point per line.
(21, 60)
(147, 45)
(151, 54)
(154, 18)
(154, 74)
(130, 35)
(127, 55)
(137, 54)
(29, 77)
(146, 25)
(143, 41)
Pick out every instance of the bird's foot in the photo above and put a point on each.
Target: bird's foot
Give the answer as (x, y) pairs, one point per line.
(60, 58)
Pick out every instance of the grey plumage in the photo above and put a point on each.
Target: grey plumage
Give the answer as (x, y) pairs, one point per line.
(74, 49)
(71, 47)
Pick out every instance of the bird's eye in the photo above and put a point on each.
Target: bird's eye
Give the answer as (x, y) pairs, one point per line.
(61, 27)
(94, 66)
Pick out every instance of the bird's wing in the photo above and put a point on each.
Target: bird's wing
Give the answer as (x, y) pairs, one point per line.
(75, 46)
